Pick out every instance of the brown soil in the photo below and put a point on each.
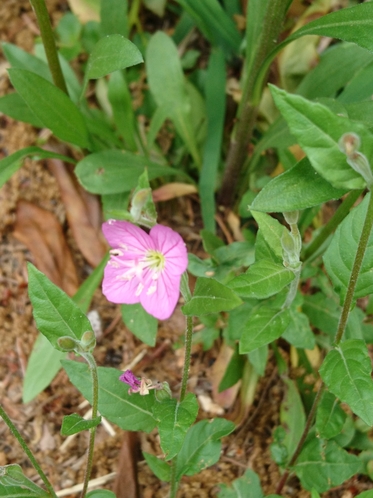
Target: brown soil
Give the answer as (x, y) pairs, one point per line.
(40, 420)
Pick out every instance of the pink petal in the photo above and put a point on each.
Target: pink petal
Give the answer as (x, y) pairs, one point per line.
(126, 236)
(172, 246)
(116, 289)
(163, 301)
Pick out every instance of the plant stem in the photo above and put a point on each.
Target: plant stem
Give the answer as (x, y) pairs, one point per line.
(174, 484)
(332, 224)
(92, 432)
(247, 112)
(360, 251)
(49, 43)
(13, 429)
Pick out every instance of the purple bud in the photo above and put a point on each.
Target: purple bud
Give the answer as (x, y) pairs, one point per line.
(129, 378)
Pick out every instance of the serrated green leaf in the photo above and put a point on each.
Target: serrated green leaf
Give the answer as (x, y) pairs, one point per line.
(318, 131)
(116, 171)
(323, 464)
(14, 484)
(210, 296)
(51, 106)
(140, 323)
(159, 467)
(56, 315)
(298, 188)
(129, 412)
(329, 416)
(74, 423)
(263, 326)
(263, 279)
(247, 486)
(340, 255)
(346, 371)
(202, 446)
(174, 420)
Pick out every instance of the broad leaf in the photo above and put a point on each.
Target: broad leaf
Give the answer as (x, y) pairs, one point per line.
(318, 131)
(298, 188)
(210, 296)
(14, 484)
(323, 464)
(159, 467)
(263, 326)
(129, 412)
(298, 332)
(116, 171)
(140, 323)
(202, 446)
(51, 106)
(292, 417)
(247, 486)
(347, 373)
(14, 106)
(271, 230)
(74, 423)
(263, 279)
(330, 417)
(340, 255)
(173, 420)
(56, 315)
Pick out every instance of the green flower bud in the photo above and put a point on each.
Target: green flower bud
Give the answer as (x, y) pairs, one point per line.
(88, 341)
(291, 217)
(68, 343)
(163, 392)
(349, 144)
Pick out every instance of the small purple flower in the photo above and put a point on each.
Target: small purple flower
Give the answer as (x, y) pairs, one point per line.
(129, 378)
(144, 268)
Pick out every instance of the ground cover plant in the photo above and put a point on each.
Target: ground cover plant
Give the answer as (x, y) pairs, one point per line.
(262, 110)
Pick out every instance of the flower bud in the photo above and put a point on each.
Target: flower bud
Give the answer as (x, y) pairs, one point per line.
(291, 217)
(68, 344)
(163, 392)
(349, 144)
(88, 340)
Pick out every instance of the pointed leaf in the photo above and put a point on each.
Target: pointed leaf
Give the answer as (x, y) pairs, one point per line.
(74, 423)
(247, 486)
(160, 468)
(210, 296)
(263, 326)
(271, 230)
(330, 417)
(174, 420)
(14, 484)
(263, 279)
(347, 373)
(129, 412)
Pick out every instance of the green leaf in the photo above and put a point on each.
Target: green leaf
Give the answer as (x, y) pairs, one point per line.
(210, 241)
(19, 58)
(116, 171)
(318, 131)
(84, 295)
(167, 84)
(42, 366)
(323, 464)
(140, 323)
(263, 279)
(271, 230)
(110, 54)
(114, 18)
(74, 423)
(233, 372)
(159, 467)
(129, 412)
(292, 417)
(330, 417)
(247, 486)
(365, 494)
(347, 373)
(298, 332)
(14, 484)
(340, 255)
(14, 106)
(51, 106)
(12, 163)
(263, 326)
(202, 446)
(100, 493)
(298, 188)
(174, 420)
(56, 315)
(210, 296)
(353, 25)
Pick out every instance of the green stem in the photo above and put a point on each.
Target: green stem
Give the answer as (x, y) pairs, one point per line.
(49, 43)
(361, 248)
(332, 224)
(93, 368)
(13, 429)
(247, 112)
(174, 483)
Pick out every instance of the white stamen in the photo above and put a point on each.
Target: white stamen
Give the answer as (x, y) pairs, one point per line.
(139, 289)
(151, 289)
(111, 221)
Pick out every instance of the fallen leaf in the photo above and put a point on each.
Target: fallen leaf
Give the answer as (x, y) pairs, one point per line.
(126, 485)
(172, 190)
(225, 398)
(83, 214)
(42, 234)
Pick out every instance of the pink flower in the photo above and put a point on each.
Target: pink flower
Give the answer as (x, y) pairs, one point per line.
(144, 268)
(129, 378)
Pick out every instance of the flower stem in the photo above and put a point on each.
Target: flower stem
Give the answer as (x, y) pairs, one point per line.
(361, 248)
(49, 43)
(93, 368)
(13, 429)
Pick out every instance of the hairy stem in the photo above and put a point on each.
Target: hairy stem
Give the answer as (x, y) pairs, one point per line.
(13, 429)
(361, 248)
(49, 43)
(247, 112)
(92, 432)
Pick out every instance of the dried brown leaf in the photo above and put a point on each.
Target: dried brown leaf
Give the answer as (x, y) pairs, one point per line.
(172, 190)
